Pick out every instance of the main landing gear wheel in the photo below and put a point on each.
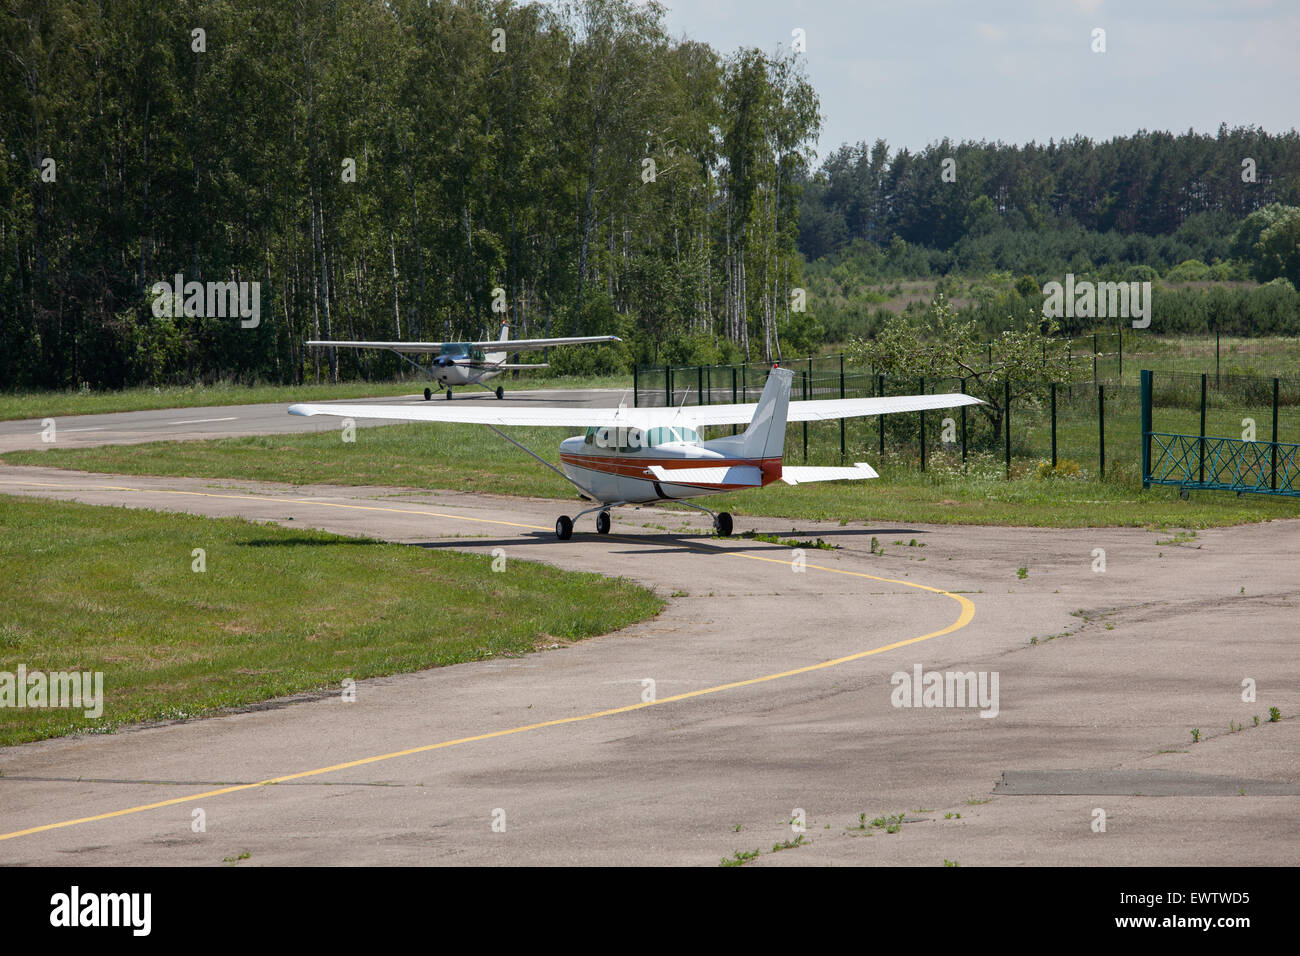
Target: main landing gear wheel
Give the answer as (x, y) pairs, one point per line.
(501, 392)
(428, 394)
(564, 527)
(722, 523)
(449, 395)
(602, 523)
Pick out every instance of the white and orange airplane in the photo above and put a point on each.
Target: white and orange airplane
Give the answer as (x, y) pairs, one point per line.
(647, 455)
(468, 363)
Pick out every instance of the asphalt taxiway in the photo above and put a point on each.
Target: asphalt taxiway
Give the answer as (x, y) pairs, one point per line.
(772, 702)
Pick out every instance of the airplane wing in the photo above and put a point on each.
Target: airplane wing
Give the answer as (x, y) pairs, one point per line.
(483, 413)
(825, 409)
(394, 346)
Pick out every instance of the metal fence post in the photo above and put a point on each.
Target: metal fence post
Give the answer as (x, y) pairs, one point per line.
(699, 385)
(1201, 443)
(1053, 425)
(963, 428)
(1273, 450)
(636, 388)
(922, 414)
(880, 419)
(842, 451)
(1006, 420)
(668, 385)
(1145, 377)
(1101, 428)
(733, 395)
(805, 398)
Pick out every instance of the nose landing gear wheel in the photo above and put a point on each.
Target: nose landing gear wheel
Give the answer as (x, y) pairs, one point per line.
(449, 395)
(722, 524)
(428, 394)
(602, 523)
(564, 527)
(501, 392)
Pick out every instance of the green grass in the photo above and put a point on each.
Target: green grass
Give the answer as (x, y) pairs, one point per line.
(469, 458)
(277, 611)
(55, 404)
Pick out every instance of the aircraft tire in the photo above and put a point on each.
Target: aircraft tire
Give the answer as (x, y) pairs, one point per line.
(449, 395)
(723, 524)
(428, 394)
(564, 527)
(602, 523)
(501, 392)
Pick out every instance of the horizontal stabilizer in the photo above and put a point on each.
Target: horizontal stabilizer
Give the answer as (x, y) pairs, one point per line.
(733, 475)
(799, 475)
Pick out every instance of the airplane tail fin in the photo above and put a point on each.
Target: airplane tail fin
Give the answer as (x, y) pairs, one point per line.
(498, 358)
(765, 436)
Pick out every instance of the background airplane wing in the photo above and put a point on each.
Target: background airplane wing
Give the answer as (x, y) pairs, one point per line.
(528, 345)
(823, 409)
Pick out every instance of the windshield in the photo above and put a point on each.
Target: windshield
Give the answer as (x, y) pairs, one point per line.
(455, 349)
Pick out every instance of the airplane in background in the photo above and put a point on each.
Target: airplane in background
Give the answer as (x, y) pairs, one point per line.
(468, 363)
(648, 455)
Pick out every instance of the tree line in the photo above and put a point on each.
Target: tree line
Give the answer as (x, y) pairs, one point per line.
(1153, 198)
(397, 170)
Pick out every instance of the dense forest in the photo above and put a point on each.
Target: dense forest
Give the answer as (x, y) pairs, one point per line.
(1152, 199)
(406, 169)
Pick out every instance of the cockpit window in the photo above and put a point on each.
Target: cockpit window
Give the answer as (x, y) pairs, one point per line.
(662, 436)
(456, 349)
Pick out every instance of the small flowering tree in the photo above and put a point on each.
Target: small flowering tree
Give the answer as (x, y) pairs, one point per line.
(939, 344)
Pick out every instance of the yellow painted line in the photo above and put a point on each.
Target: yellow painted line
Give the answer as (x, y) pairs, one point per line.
(291, 501)
(964, 618)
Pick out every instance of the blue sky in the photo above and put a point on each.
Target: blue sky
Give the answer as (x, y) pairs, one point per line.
(914, 71)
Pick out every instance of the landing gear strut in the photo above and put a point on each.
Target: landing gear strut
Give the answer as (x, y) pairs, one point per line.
(564, 524)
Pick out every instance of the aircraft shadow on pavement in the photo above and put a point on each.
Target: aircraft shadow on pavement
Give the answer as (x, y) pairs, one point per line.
(663, 543)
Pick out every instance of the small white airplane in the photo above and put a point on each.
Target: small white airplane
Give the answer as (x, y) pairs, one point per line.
(645, 455)
(467, 363)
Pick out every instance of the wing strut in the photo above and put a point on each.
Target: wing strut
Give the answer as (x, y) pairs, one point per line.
(585, 493)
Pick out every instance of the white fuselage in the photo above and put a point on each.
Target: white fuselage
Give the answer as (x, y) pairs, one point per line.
(611, 465)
